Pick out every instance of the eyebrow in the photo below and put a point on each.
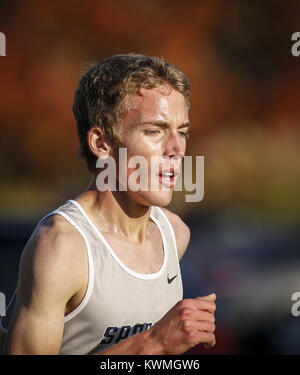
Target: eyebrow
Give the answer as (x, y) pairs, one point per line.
(164, 123)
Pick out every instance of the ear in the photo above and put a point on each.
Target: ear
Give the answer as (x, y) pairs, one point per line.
(97, 144)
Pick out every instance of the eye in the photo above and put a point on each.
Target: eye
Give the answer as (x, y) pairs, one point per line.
(151, 132)
(184, 134)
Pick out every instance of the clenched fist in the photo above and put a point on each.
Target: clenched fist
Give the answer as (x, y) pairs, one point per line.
(189, 323)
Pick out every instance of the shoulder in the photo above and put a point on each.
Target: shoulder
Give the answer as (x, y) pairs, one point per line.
(56, 238)
(53, 257)
(181, 230)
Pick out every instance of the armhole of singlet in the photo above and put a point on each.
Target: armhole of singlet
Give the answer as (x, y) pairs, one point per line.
(172, 232)
(89, 289)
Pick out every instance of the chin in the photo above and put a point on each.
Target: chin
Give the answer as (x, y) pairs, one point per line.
(160, 198)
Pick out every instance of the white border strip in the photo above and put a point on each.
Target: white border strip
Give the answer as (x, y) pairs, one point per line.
(114, 255)
(3, 329)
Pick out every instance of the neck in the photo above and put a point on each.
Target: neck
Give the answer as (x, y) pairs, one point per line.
(116, 212)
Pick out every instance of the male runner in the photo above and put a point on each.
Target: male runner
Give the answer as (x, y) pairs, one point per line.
(101, 273)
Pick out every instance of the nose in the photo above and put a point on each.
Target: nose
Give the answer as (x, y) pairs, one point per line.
(175, 146)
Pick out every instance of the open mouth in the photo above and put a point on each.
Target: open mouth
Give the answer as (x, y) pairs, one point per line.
(168, 177)
(167, 174)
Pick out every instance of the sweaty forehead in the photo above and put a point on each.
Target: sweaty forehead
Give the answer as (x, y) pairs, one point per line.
(161, 103)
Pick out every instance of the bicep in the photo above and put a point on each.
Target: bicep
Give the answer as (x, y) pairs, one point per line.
(35, 328)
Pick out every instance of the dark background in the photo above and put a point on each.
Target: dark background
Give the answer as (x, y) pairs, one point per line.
(245, 117)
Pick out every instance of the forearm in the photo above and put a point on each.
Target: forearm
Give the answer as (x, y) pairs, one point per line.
(140, 344)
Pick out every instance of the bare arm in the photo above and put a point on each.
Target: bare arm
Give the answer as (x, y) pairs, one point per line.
(49, 276)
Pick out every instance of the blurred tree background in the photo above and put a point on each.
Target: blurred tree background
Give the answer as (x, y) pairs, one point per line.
(245, 117)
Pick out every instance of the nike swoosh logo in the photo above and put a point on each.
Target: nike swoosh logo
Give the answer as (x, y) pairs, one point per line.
(171, 279)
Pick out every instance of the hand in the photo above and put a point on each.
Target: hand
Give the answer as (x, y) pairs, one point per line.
(189, 323)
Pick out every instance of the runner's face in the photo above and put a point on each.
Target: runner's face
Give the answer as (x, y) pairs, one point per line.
(155, 128)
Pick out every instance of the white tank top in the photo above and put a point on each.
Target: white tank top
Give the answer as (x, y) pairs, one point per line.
(118, 302)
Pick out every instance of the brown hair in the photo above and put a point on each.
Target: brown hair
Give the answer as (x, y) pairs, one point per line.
(99, 98)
